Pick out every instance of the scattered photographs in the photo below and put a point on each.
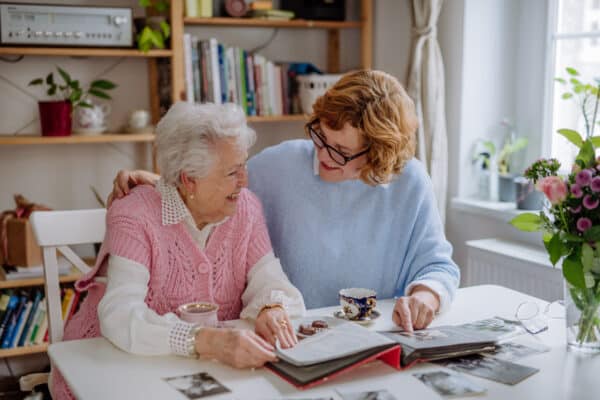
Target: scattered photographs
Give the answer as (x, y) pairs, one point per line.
(450, 384)
(511, 351)
(424, 335)
(491, 368)
(371, 395)
(197, 386)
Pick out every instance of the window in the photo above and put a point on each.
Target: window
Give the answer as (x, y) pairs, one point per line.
(575, 42)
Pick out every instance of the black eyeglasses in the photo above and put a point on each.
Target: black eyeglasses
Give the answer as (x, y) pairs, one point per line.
(335, 155)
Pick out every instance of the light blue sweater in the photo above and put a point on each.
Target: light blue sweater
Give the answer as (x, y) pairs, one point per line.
(330, 236)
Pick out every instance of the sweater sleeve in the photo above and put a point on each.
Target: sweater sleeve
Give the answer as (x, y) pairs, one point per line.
(128, 322)
(430, 256)
(267, 284)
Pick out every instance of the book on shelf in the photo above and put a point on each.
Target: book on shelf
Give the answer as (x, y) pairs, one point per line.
(343, 346)
(217, 73)
(272, 14)
(18, 272)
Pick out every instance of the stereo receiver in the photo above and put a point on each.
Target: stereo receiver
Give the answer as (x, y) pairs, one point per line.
(50, 25)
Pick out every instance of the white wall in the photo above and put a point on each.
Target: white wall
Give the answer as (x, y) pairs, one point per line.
(494, 62)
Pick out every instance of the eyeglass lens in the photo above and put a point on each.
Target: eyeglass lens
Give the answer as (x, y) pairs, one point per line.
(335, 156)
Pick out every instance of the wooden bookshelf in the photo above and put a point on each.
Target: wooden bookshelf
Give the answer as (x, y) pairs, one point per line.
(82, 52)
(8, 140)
(266, 23)
(279, 118)
(24, 350)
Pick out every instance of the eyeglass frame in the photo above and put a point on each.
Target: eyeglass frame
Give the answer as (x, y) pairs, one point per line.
(329, 148)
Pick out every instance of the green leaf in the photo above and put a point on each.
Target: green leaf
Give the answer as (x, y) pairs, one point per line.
(556, 248)
(596, 139)
(99, 93)
(572, 136)
(490, 147)
(144, 3)
(560, 80)
(587, 256)
(575, 81)
(84, 104)
(50, 79)
(573, 271)
(39, 81)
(528, 222)
(592, 234)
(103, 84)
(596, 265)
(572, 71)
(578, 89)
(64, 75)
(157, 40)
(74, 84)
(571, 238)
(567, 95)
(51, 91)
(586, 153)
(165, 28)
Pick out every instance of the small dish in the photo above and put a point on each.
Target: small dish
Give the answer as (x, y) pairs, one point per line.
(365, 321)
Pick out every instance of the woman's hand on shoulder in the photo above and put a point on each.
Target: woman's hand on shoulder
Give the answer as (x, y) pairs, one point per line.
(417, 310)
(240, 348)
(127, 180)
(274, 324)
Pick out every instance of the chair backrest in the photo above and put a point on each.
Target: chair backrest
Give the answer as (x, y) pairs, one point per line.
(56, 230)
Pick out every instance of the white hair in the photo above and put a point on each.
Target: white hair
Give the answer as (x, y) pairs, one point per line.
(186, 137)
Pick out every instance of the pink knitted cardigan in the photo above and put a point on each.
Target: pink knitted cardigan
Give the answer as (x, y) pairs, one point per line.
(179, 271)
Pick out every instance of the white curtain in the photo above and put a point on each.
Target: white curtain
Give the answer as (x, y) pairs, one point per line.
(426, 87)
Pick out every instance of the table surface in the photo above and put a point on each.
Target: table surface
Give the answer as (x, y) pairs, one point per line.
(95, 369)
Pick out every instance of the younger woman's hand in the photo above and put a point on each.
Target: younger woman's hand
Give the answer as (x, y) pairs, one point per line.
(127, 180)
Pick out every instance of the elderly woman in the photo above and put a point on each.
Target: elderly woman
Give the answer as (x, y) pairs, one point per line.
(352, 207)
(199, 235)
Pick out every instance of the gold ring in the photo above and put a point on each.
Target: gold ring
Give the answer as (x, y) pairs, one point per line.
(282, 322)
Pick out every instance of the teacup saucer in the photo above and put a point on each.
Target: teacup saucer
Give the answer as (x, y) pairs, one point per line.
(365, 321)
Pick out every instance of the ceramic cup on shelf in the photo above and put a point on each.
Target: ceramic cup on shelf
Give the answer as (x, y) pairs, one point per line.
(139, 121)
(357, 303)
(91, 120)
(202, 313)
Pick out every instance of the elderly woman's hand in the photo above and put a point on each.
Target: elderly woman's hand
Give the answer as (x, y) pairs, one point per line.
(417, 310)
(240, 348)
(126, 180)
(273, 324)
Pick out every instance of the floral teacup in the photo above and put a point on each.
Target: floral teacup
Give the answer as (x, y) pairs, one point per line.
(358, 303)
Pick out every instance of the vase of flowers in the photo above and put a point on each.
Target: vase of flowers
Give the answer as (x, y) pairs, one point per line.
(570, 223)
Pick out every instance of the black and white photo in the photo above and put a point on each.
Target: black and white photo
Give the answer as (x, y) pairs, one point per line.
(197, 386)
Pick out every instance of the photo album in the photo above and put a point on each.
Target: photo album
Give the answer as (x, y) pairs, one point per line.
(330, 346)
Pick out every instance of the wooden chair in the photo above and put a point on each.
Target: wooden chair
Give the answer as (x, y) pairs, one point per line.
(56, 231)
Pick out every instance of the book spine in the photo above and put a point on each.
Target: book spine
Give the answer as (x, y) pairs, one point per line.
(21, 324)
(222, 73)
(251, 92)
(187, 57)
(10, 309)
(196, 69)
(12, 324)
(34, 324)
(26, 328)
(42, 327)
(214, 66)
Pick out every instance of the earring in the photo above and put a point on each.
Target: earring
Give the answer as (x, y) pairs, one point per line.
(191, 197)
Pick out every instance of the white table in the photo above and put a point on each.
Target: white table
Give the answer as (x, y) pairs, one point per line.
(95, 369)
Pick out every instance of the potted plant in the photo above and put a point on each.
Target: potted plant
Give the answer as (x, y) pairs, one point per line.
(571, 221)
(499, 165)
(153, 30)
(55, 115)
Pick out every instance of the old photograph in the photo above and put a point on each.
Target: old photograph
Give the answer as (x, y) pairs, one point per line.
(449, 384)
(197, 386)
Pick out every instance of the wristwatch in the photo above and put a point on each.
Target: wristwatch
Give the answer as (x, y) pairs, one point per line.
(191, 341)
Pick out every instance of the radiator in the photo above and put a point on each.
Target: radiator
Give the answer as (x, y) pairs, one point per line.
(514, 265)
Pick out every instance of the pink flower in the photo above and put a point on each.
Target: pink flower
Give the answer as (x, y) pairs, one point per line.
(554, 188)
(576, 191)
(575, 210)
(583, 224)
(596, 184)
(590, 203)
(584, 178)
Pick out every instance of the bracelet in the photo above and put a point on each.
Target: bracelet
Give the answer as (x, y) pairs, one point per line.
(191, 341)
(271, 306)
